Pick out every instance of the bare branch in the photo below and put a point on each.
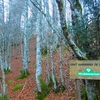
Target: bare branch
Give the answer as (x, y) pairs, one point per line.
(38, 8)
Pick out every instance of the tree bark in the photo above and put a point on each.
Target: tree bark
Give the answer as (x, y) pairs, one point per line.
(77, 51)
(25, 59)
(53, 68)
(38, 50)
(3, 77)
(61, 66)
(92, 87)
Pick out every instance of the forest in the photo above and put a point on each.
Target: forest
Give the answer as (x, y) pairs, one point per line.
(38, 38)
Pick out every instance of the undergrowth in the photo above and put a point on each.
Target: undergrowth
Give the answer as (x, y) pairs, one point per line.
(6, 71)
(9, 81)
(44, 52)
(50, 83)
(18, 86)
(46, 88)
(83, 93)
(5, 97)
(23, 74)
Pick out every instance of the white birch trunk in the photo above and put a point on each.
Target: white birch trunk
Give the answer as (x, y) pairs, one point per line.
(47, 62)
(3, 76)
(38, 62)
(61, 67)
(53, 68)
(28, 50)
(21, 46)
(38, 50)
(25, 61)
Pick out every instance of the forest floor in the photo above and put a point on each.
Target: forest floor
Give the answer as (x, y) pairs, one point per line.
(28, 91)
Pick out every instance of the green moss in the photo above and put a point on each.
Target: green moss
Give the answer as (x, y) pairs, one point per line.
(84, 94)
(5, 97)
(44, 52)
(56, 90)
(61, 4)
(78, 6)
(58, 46)
(50, 83)
(85, 58)
(9, 81)
(63, 51)
(59, 88)
(23, 74)
(34, 66)
(44, 88)
(40, 96)
(62, 88)
(18, 86)
(97, 97)
(98, 58)
(7, 70)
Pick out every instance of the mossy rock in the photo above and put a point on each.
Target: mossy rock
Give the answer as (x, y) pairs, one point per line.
(18, 86)
(23, 74)
(9, 81)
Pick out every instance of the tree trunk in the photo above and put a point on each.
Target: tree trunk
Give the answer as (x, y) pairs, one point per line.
(77, 51)
(61, 66)
(38, 50)
(25, 60)
(53, 68)
(38, 62)
(92, 87)
(3, 77)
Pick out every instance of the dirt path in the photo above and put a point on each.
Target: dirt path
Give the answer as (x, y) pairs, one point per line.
(28, 91)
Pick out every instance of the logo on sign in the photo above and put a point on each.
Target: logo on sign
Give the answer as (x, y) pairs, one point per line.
(88, 72)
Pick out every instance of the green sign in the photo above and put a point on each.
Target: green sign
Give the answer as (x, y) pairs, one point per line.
(88, 72)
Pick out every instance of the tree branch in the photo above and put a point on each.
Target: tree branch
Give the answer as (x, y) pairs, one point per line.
(38, 8)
